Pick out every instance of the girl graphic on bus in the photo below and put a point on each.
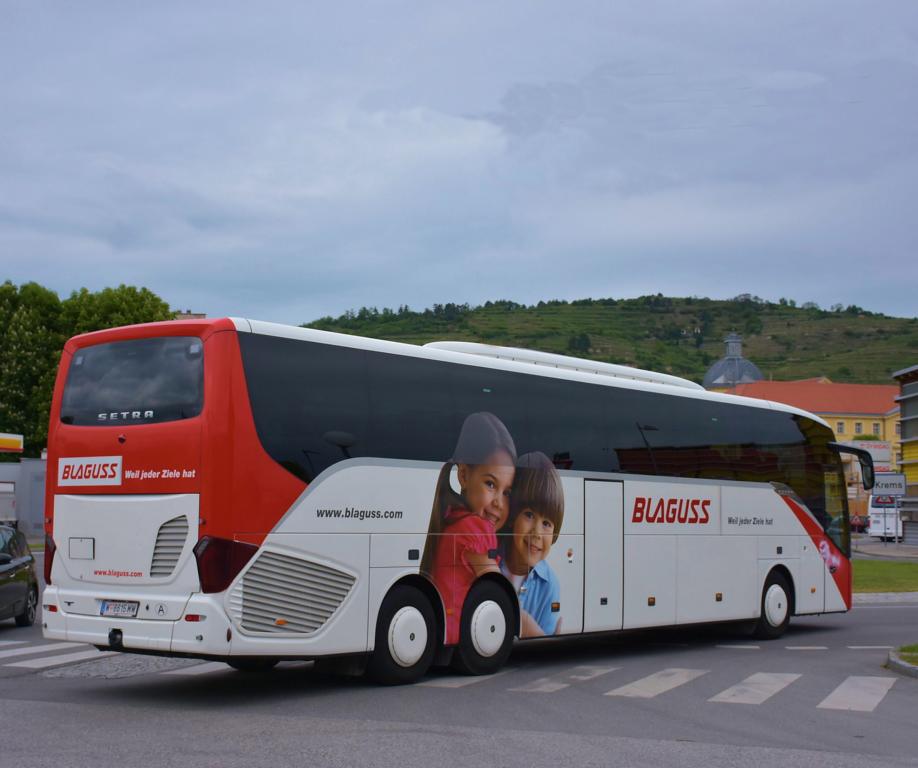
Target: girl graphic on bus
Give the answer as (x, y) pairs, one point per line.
(462, 536)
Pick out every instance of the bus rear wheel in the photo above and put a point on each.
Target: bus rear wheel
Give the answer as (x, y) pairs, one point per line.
(485, 631)
(405, 637)
(776, 608)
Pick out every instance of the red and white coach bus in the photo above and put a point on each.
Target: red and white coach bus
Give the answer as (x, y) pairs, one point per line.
(249, 492)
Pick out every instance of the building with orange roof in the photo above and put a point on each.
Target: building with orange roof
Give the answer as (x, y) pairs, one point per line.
(908, 401)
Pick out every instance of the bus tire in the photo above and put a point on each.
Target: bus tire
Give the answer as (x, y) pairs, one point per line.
(251, 665)
(776, 608)
(485, 630)
(405, 637)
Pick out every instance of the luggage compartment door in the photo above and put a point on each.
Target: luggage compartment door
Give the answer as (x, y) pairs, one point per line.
(603, 546)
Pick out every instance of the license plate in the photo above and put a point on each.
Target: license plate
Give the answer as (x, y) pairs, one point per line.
(120, 609)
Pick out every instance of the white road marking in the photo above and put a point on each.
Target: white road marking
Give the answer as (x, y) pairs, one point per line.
(741, 647)
(858, 694)
(67, 658)
(542, 685)
(5, 643)
(200, 669)
(756, 688)
(459, 681)
(806, 647)
(657, 683)
(556, 682)
(588, 673)
(870, 647)
(39, 649)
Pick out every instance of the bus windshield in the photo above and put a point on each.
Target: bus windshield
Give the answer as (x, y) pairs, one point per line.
(143, 381)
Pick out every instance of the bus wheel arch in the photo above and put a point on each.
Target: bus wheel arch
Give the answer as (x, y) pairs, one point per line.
(791, 595)
(406, 635)
(489, 622)
(504, 583)
(777, 604)
(430, 592)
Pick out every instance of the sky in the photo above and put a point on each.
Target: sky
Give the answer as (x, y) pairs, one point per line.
(288, 160)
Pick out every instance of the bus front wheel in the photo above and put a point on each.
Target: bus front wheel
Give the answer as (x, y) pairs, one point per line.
(485, 631)
(405, 637)
(776, 608)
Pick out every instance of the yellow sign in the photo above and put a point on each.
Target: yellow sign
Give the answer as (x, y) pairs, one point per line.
(10, 443)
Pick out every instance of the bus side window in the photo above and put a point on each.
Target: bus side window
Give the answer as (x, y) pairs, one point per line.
(499, 392)
(411, 408)
(310, 401)
(572, 423)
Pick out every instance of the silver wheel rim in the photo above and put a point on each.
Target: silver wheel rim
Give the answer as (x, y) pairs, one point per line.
(488, 628)
(775, 605)
(407, 636)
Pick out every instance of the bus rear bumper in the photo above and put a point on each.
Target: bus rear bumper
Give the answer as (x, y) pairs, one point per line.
(205, 634)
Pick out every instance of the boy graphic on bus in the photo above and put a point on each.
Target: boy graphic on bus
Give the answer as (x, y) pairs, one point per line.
(536, 514)
(462, 539)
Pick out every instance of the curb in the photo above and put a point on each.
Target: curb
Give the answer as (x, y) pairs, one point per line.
(876, 598)
(896, 664)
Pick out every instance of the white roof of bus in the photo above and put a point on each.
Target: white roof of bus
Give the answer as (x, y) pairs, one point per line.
(527, 361)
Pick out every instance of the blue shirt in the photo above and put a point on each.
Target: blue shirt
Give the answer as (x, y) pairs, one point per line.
(538, 591)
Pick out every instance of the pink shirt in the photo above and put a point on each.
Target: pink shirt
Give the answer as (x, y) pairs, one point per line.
(451, 572)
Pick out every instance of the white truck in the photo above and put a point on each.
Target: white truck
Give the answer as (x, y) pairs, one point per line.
(884, 519)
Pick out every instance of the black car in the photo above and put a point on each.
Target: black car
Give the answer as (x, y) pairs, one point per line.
(18, 583)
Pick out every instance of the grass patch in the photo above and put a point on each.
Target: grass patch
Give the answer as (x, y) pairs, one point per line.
(909, 653)
(884, 576)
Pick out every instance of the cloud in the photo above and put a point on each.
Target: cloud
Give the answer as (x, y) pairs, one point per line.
(290, 162)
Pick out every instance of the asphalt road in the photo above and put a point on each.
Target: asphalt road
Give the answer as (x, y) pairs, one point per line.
(819, 696)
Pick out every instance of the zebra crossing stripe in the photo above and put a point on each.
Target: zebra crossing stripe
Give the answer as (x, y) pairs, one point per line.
(756, 688)
(542, 685)
(7, 643)
(39, 649)
(556, 682)
(657, 683)
(67, 658)
(858, 694)
(199, 669)
(459, 681)
(588, 673)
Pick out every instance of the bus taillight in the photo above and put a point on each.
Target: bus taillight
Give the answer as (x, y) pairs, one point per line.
(50, 549)
(220, 560)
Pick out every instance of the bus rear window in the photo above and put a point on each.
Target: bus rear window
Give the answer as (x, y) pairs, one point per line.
(144, 381)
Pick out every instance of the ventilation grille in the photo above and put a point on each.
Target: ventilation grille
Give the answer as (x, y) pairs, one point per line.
(169, 544)
(280, 593)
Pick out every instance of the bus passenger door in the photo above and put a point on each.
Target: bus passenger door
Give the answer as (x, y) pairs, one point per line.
(603, 545)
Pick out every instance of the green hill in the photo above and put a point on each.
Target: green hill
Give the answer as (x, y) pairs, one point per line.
(681, 336)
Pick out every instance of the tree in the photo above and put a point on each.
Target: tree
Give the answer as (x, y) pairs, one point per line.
(9, 301)
(112, 307)
(34, 324)
(29, 351)
(579, 343)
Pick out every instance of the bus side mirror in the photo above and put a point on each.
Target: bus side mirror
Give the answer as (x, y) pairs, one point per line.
(864, 459)
(867, 474)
